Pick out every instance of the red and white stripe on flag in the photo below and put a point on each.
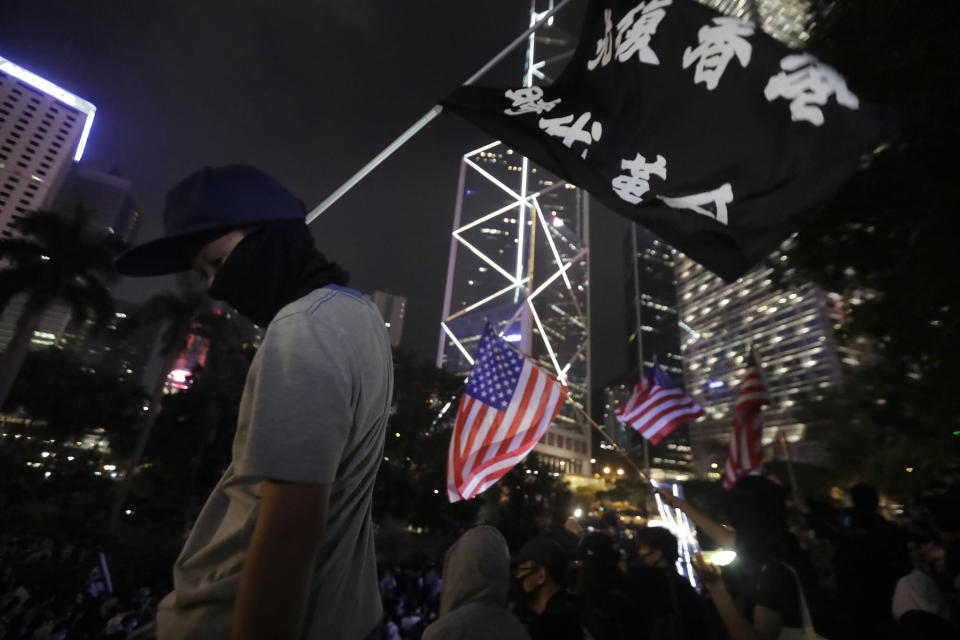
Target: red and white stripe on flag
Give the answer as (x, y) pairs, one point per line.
(745, 455)
(498, 422)
(655, 410)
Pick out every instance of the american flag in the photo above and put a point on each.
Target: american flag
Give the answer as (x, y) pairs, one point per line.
(509, 404)
(657, 407)
(745, 457)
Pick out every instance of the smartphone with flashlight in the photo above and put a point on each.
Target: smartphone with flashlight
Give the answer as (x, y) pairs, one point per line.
(719, 557)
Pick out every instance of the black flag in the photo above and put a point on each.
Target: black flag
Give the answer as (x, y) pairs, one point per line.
(696, 125)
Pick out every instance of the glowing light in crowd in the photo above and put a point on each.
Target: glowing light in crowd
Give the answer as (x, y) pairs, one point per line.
(677, 523)
(578, 512)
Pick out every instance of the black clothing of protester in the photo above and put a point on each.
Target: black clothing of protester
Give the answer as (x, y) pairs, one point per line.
(560, 619)
(608, 613)
(666, 606)
(275, 264)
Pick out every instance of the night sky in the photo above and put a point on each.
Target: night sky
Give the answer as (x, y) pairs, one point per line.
(309, 92)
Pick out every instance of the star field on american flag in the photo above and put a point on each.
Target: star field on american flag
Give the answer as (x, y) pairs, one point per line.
(496, 371)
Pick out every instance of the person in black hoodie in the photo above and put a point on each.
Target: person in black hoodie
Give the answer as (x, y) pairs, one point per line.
(538, 572)
(778, 580)
(667, 606)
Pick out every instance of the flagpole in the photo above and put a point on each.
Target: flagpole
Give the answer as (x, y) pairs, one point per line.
(425, 120)
(616, 447)
(636, 302)
(797, 497)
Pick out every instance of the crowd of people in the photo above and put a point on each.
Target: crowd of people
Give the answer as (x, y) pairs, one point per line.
(61, 590)
(801, 570)
(844, 573)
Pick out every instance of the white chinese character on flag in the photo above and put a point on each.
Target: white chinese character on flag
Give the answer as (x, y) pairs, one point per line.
(636, 28)
(634, 31)
(719, 43)
(528, 100)
(562, 128)
(632, 187)
(808, 84)
(719, 198)
(604, 44)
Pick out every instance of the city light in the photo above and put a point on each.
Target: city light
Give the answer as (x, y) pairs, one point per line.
(714, 465)
(909, 469)
(577, 512)
(606, 469)
(593, 461)
(619, 472)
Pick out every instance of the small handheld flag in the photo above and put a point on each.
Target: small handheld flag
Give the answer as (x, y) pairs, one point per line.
(657, 407)
(745, 456)
(508, 406)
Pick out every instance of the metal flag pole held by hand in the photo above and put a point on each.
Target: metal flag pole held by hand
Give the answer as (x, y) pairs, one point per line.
(643, 476)
(425, 120)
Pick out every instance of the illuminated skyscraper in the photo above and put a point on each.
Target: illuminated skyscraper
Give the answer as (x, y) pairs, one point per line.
(519, 260)
(652, 315)
(791, 330)
(43, 130)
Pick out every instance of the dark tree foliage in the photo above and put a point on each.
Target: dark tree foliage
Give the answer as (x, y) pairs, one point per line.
(889, 239)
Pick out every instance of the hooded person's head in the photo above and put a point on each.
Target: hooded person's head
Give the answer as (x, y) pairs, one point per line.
(245, 233)
(476, 570)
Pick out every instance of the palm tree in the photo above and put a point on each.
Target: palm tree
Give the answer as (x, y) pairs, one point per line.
(57, 258)
(183, 312)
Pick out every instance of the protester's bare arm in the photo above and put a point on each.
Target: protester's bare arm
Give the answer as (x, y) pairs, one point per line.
(721, 534)
(766, 622)
(275, 582)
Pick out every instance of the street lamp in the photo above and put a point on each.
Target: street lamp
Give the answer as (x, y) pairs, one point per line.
(619, 472)
(606, 469)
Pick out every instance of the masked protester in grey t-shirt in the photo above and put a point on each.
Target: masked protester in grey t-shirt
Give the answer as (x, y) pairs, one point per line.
(283, 547)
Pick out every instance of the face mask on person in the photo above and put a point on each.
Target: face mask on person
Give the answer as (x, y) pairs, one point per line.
(247, 279)
(270, 268)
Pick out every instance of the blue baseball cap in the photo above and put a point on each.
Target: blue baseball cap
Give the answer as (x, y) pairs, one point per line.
(205, 205)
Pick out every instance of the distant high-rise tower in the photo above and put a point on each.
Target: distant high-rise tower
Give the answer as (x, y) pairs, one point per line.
(43, 130)
(652, 313)
(393, 309)
(107, 195)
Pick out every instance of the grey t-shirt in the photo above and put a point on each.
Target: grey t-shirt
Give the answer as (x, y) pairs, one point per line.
(314, 410)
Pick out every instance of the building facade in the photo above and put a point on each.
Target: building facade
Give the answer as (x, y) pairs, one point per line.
(393, 309)
(651, 297)
(792, 332)
(43, 131)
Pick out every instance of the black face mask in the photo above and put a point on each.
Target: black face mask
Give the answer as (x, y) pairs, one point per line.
(270, 268)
